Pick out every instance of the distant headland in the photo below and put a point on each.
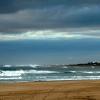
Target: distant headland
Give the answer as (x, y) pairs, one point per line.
(31, 66)
(86, 64)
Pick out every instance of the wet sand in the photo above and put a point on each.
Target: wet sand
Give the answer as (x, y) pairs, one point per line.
(59, 90)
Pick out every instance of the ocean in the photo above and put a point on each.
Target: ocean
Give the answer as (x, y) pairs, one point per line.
(45, 60)
(42, 52)
(26, 73)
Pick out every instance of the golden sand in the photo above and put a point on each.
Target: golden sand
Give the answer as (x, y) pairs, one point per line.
(59, 90)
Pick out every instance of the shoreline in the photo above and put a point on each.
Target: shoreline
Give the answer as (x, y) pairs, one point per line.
(14, 82)
(52, 90)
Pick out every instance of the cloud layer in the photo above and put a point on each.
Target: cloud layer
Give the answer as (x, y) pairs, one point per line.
(22, 16)
(51, 34)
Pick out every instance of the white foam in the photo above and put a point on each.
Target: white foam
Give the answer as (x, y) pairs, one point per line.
(12, 73)
(34, 66)
(73, 71)
(70, 78)
(20, 72)
(30, 65)
(40, 72)
(84, 77)
(87, 72)
(7, 65)
(65, 67)
(10, 78)
(90, 72)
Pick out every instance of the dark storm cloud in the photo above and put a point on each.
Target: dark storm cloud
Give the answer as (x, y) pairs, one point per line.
(10, 6)
(25, 15)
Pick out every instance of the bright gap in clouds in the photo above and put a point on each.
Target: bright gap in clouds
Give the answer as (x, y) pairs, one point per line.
(50, 34)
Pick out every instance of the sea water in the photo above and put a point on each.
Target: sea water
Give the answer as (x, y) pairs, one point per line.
(46, 52)
(25, 73)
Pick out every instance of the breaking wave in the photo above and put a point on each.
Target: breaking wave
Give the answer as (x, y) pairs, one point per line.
(21, 72)
(35, 72)
(17, 67)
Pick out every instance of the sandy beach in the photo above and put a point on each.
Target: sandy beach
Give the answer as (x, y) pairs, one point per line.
(61, 90)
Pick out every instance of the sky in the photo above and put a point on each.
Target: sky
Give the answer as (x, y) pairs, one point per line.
(49, 31)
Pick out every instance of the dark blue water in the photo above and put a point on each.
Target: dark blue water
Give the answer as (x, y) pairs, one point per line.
(66, 51)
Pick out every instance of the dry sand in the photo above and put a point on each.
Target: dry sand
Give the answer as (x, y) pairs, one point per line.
(61, 90)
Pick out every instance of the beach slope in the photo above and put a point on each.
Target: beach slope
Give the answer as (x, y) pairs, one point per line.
(59, 90)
